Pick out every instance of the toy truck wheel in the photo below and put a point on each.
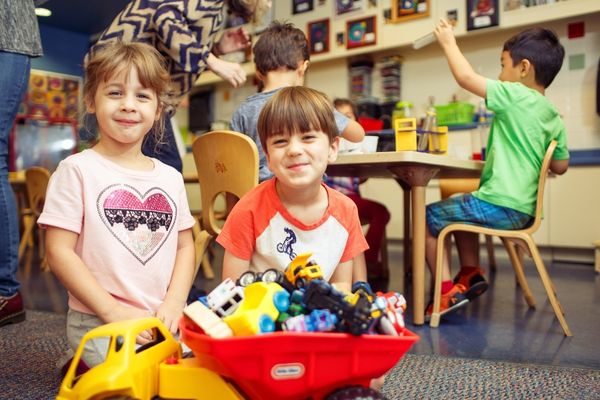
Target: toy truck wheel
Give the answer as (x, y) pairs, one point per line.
(300, 283)
(247, 278)
(270, 275)
(355, 392)
(281, 301)
(266, 324)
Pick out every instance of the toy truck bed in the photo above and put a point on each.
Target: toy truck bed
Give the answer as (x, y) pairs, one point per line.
(284, 365)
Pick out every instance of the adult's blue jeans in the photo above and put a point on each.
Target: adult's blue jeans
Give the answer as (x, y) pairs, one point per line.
(14, 79)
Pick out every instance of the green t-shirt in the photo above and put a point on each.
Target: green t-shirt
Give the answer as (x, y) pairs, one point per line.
(524, 124)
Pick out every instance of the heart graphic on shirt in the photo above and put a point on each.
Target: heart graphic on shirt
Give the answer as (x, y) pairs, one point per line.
(141, 223)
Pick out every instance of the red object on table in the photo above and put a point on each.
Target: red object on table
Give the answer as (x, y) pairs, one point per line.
(370, 124)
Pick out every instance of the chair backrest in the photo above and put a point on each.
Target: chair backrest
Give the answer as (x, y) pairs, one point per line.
(36, 181)
(541, 186)
(227, 162)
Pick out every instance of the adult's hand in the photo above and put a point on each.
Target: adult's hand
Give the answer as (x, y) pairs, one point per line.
(229, 71)
(233, 40)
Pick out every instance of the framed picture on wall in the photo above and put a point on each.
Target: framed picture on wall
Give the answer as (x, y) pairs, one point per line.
(318, 36)
(361, 32)
(347, 6)
(51, 95)
(302, 6)
(405, 10)
(481, 14)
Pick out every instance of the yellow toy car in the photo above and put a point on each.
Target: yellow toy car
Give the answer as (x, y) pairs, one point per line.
(258, 312)
(302, 270)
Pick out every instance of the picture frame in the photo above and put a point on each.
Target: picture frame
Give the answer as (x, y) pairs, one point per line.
(343, 7)
(406, 10)
(482, 14)
(361, 32)
(302, 6)
(52, 95)
(318, 36)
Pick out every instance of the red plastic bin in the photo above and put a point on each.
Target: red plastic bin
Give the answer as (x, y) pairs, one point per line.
(283, 365)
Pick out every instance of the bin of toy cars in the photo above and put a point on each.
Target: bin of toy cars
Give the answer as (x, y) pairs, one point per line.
(284, 365)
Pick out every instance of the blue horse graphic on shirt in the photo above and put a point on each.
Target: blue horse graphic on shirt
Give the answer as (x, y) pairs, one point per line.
(286, 246)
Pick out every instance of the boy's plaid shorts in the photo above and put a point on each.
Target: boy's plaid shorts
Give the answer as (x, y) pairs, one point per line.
(470, 210)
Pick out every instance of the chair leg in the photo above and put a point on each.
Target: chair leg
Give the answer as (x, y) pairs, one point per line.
(201, 243)
(549, 286)
(207, 269)
(437, 287)
(489, 244)
(44, 266)
(517, 263)
(26, 238)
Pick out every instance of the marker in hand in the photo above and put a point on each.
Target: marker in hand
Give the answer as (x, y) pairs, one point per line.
(423, 41)
(428, 39)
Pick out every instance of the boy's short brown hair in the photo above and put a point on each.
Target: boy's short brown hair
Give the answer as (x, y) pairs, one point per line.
(281, 45)
(296, 109)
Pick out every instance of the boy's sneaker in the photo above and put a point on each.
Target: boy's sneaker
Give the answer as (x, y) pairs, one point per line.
(11, 309)
(451, 301)
(473, 281)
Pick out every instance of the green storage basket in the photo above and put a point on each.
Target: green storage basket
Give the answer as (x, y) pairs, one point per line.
(455, 114)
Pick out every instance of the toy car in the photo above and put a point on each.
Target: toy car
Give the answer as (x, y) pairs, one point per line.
(258, 312)
(206, 319)
(392, 321)
(225, 298)
(355, 319)
(316, 321)
(302, 270)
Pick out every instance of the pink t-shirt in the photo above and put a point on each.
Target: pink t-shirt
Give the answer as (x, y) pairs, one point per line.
(260, 229)
(128, 223)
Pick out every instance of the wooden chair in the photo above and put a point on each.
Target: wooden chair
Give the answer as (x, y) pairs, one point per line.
(449, 187)
(36, 183)
(227, 162)
(511, 238)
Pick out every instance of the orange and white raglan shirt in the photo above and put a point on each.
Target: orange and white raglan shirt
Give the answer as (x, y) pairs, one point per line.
(261, 230)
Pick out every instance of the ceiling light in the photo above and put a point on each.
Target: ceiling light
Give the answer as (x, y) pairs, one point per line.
(42, 12)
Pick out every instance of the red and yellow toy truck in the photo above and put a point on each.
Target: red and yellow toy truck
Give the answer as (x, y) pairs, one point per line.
(278, 365)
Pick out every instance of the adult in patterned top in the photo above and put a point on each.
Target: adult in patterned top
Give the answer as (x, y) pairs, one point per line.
(184, 32)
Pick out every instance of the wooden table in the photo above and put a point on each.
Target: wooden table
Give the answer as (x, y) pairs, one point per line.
(413, 171)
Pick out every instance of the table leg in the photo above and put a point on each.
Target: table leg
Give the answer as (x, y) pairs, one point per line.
(406, 235)
(417, 178)
(418, 254)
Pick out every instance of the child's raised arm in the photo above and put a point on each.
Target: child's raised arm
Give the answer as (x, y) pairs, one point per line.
(462, 70)
(77, 278)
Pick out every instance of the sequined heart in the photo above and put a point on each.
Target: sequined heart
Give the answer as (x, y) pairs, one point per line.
(141, 223)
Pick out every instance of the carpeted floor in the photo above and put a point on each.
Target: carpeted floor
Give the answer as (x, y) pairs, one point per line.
(29, 351)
